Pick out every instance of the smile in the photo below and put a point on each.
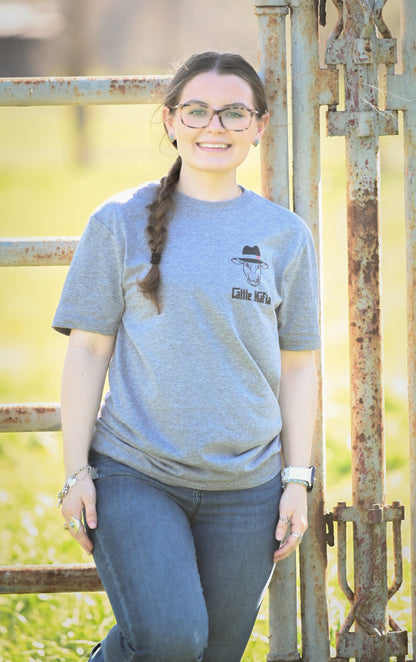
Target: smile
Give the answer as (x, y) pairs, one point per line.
(213, 145)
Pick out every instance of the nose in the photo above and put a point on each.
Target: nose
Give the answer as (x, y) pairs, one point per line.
(215, 122)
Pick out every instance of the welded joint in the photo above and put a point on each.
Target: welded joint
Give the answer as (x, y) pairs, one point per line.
(361, 51)
(400, 91)
(328, 87)
(377, 514)
(271, 4)
(350, 645)
(363, 123)
(276, 4)
(329, 526)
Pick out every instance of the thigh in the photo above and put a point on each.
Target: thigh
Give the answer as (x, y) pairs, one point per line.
(145, 555)
(234, 538)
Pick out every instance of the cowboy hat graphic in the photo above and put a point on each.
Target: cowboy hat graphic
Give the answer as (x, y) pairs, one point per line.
(252, 264)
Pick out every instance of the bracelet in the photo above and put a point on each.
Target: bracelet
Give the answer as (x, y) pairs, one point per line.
(298, 481)
(91, 472)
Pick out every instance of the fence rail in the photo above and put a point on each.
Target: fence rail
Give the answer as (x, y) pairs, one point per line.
(69, 578)
(37, 252)
(81, 90)
(28, 417)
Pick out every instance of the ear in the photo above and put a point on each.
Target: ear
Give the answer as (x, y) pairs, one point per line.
(262, 124)
(168, 117)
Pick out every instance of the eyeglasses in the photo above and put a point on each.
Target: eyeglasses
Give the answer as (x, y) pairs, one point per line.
(197, 115)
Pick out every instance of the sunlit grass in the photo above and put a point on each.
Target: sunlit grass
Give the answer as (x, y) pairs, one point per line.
(43, 191)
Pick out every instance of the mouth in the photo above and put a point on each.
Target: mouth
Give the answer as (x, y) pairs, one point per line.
(213, 146)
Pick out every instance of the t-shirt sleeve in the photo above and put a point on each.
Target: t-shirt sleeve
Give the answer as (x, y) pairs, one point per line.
(92, 297)
(298, 313)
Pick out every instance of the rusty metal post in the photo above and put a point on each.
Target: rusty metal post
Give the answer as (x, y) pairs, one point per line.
(306, 202)
(271, 21)
(272, 16)
(367, 398)
(360, 51)
(409, 65)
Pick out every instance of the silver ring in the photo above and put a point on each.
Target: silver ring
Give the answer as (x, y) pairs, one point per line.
(299, 536)
(285, 519)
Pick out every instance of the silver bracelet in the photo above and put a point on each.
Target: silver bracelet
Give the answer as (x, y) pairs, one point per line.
(91, 472)
(298, 481)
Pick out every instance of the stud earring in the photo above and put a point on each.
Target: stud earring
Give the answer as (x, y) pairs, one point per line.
(256, 142)
(171, 137)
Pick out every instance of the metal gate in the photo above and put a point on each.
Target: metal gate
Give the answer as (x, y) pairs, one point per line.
(359, 44)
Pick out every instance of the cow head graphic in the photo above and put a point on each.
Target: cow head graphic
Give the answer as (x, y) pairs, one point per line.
(252, 264)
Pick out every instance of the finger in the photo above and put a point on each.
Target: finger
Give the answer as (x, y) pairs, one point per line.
(85, 542)
(75, 527)
(293, 541)
(282, 525)
(90, 512)
(284, 550)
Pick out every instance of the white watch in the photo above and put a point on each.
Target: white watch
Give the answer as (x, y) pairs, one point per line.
(304, 475)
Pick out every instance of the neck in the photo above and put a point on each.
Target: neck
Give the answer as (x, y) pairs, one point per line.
(211, 187)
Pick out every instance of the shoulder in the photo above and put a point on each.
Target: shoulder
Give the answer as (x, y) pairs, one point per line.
(134, 199)
(281, 219)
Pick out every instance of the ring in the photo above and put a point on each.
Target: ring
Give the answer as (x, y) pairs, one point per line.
(74, 525)
(285, 519)
(298, 535)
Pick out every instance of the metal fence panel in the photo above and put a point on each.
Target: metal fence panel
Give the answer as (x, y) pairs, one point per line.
(360, 43)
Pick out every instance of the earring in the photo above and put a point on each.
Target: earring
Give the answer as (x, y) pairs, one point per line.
(256, 142)
(171, 137)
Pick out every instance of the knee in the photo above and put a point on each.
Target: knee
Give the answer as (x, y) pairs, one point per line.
(183, 643)
(179, 646)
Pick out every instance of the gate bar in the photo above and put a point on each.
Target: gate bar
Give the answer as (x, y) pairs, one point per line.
(35, 252)
(68, 578)
(272, 23)
(361, 51)
(28, 417)
(81, 90)
(408, 17)
(306, 203)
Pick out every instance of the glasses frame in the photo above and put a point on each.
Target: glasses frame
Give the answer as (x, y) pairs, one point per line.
(215, 111)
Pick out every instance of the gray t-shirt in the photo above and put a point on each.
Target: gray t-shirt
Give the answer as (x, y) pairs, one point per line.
(193, 397)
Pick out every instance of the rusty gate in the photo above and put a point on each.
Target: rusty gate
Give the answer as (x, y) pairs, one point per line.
(362, 47)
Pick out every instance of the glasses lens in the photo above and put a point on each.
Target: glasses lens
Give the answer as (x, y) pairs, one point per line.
(196, 116)
(236, 118)
(233, 118)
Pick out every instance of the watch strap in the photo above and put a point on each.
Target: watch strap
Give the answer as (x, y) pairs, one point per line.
(303, 475)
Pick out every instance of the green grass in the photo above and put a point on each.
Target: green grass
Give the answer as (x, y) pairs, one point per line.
(43, 191)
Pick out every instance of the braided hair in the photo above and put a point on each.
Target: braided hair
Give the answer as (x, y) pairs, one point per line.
(162, 209)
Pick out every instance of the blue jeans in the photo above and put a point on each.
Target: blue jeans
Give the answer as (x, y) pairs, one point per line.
(185, 570)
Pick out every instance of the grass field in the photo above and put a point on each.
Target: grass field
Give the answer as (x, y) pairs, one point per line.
(43, 191)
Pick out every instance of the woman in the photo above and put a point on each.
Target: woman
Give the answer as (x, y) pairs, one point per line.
(210, 350)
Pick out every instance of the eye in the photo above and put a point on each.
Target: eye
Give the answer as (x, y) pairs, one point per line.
(196, 111)
(235, 112)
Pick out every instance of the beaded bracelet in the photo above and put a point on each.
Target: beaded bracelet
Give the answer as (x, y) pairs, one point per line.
(91, 472)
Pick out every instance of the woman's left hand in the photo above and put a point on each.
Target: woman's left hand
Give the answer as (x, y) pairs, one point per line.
(293, 520)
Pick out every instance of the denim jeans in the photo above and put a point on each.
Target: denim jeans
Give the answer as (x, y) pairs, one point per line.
(185, 570)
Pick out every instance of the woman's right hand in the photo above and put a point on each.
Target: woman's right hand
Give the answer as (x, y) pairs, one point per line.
(80, 498)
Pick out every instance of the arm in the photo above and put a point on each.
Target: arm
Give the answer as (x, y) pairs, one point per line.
(298, 403)
(85, 369)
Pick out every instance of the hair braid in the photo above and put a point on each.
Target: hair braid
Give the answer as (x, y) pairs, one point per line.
(161, 211)
(162, 208)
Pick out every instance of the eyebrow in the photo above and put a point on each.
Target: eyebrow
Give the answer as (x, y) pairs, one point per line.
(227, 105)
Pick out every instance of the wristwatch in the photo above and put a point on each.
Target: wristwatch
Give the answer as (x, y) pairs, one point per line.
(303, 475)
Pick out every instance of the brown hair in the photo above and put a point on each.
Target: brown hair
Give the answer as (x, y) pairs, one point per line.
(163, 206)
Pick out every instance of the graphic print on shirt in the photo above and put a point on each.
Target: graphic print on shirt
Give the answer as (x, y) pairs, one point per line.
(252, 267)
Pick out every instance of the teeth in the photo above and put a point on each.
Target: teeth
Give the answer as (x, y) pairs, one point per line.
(214, 145)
